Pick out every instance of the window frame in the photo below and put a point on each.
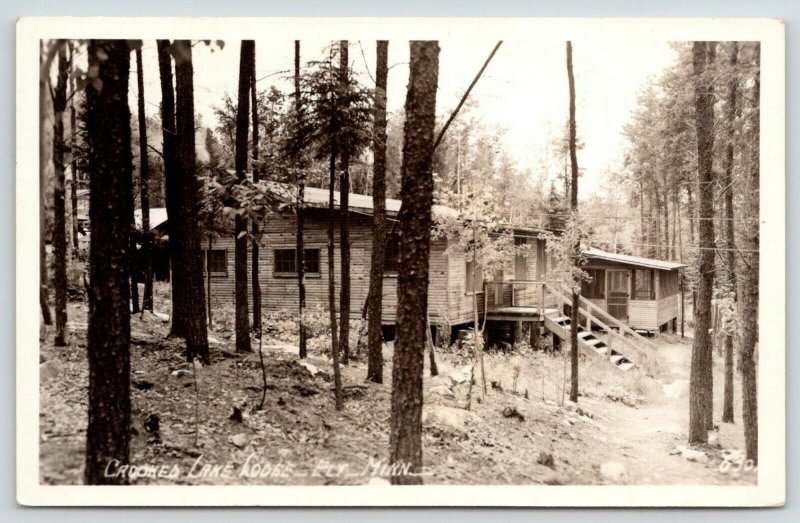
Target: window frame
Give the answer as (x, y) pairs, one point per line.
(207, 261)
(293, 274)
(392, 243)
(468, 274)
(594, 284)
(636, 296)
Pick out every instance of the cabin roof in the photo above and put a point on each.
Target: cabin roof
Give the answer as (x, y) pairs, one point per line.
(316, 197)
(158, 216)
(362, 203)
(638, 261)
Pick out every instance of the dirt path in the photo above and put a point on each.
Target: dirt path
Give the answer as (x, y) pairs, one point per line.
(649, 434)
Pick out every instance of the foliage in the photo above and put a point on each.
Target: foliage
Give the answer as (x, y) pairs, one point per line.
(565, 252)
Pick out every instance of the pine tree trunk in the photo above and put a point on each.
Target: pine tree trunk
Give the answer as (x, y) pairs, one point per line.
(415, 230)
(240, 222)
(254, 284)
(344, 218)
(147, 301)
(727, 183)
(173, 192)
(701, 380)
(748, 280)
(337, 377)
(44, 96)
(73, 127)
(375, 334)
(196, 333)
(301, 189)
(573, 155)
(108, 338)
(59, 199)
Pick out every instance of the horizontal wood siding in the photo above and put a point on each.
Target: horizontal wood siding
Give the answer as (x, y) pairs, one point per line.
(642, 314)
(280, 292)
(668, 309)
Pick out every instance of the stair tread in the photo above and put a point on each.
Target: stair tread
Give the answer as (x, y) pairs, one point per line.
(593, 342)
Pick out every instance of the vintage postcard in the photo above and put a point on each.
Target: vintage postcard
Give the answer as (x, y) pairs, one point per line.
(432, 262)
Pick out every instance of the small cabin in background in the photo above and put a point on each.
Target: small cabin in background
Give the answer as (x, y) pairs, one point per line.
(642, 292)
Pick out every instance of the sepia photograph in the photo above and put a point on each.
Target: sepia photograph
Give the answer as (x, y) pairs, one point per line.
(382, 253)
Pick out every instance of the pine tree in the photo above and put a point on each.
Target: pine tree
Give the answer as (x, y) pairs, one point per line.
(147, 300)
(415, 219)
(573, 156)
(59, 198)
(701, 379)
(246, 55)
(375, 337)
(108, 340)
(344, 214)
(256, 167)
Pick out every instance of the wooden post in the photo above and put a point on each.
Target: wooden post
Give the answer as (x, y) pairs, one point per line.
(682, 308)
(517, 331)
(534, 336)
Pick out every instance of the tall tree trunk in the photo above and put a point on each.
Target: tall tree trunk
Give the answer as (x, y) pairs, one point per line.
(337, 377)
(301, 189)
(173, 192)
(147, 301)
(254, 284)
(59, 198)
(727, 183)
(415, 219)
(374, 334)
(701, 380)
(73, 128)
(108, 338)
(344, 217)
(240, 222)
(196, 333)
(573, 156)
(44, 96)
(748, 279)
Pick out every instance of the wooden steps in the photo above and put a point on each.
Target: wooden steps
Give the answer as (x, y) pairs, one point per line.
(588, 342)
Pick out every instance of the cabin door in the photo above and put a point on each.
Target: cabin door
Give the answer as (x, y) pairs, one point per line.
(618, 294)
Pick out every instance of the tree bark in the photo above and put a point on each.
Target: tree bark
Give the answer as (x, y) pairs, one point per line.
(337, 377)
(44, 96)
(415, 230)
(573, 156)
(374, 332)
(240, 222)
(173, 192)
(108, 339)
(73, 127)
(59, 199)
(147, 300)
(344, 216)
(196, 333)
(301, 189)
(748, 280)
(254, 254)
(701, 380)
(727, 183)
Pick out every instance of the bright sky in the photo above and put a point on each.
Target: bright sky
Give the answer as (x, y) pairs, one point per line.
(524, 90)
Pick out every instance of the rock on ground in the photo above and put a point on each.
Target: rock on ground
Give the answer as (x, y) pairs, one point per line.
(614, 472)
(448, 417)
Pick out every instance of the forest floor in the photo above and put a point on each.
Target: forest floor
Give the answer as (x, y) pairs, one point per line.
(626, 427)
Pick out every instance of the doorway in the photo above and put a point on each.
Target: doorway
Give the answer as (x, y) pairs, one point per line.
(618, 294)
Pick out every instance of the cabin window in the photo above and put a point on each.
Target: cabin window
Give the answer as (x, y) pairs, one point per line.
(285, 262)
(217, 259)
(595, 287)
(643, 285)
(520, 261)
(474, 277)
(668, 284)
(391, 254)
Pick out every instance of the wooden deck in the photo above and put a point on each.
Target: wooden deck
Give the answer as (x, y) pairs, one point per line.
(517, 313)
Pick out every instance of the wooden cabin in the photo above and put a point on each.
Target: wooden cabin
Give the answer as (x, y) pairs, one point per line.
(451, 288)
(641, 292)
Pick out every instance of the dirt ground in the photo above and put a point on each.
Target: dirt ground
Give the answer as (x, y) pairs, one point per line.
(626, 427)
